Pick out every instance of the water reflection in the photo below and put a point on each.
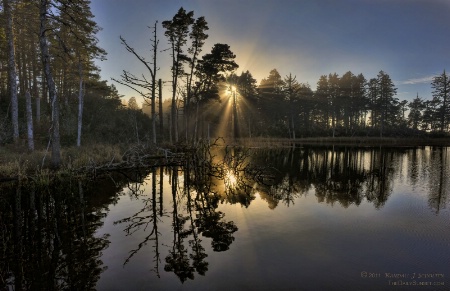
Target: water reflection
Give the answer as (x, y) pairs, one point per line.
(349, 175)
(193, 213)
(49, 234)
(439, 179)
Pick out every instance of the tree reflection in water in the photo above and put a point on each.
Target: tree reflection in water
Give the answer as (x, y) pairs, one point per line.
(48, 235)
(193, 212)
(344, 175)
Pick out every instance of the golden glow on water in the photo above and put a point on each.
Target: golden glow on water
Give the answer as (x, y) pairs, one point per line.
(298, 223)
(335, 208)
(230, 180)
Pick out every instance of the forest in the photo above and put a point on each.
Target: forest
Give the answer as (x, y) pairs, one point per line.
(53, 101)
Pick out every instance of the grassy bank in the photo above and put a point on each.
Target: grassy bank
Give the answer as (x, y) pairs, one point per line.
(18, 163)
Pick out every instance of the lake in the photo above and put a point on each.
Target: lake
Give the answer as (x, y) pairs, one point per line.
(304, 218)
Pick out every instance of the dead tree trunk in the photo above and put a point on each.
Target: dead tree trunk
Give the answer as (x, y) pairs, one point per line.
(43, 43)
(161, 117)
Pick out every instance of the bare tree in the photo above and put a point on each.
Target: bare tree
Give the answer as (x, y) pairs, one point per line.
(141, 84)
(54, 102)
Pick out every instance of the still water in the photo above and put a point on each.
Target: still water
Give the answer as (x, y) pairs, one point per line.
(310, 218)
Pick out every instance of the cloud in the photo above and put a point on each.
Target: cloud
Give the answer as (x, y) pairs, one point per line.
(423, 80)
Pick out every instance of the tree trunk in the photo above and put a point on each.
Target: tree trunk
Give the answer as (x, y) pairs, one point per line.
(35, 87)
(43, 43)
(12, 70)
(169, 117)
(293, 126)
(155, 49)
(444, 104)
(80, 104)
(172, 120)
(29, 122)
(161, 117)
(154, 116)
(196, 122)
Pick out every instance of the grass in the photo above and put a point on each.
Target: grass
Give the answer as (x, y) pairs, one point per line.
(18, 163)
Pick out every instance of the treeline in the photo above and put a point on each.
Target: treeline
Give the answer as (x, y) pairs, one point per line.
(347, 105)
(50, 89)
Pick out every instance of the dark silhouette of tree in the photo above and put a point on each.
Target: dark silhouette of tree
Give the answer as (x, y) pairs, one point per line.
(246, 84)
(385, 101)
(353, 100)
(415, 113)
(50, 236)
(291, 90)
(439, 183)
(322, 118)
(441, 96)
(429, 120)
(211, 72)
(177, 32)
(333, 101)
(272, 84)
(198, 38)
(146, 88)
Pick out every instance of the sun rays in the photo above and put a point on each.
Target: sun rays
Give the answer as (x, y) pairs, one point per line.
(236, 115)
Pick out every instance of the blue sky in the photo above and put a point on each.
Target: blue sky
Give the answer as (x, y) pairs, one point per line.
(408, 39)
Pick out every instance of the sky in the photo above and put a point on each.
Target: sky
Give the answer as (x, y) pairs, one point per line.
(407, 39)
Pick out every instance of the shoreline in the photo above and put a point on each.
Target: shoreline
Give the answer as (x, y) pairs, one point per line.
(100, 158)
(346, 141)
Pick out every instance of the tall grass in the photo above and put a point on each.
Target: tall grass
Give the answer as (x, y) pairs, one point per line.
(17, 163)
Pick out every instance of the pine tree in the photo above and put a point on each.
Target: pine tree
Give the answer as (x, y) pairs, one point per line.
(415, 112)
(441, 96)
(177, 31)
